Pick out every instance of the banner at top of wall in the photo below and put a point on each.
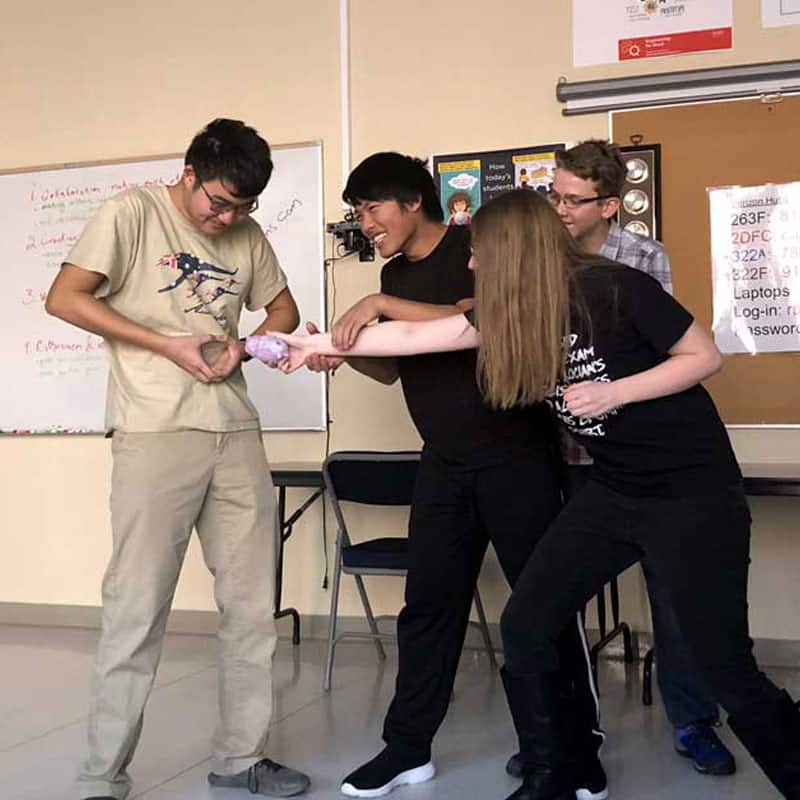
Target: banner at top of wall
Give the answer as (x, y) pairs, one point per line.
(625, 30)
(468, 180)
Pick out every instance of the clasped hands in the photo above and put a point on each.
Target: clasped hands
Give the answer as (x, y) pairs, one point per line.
(208, 359)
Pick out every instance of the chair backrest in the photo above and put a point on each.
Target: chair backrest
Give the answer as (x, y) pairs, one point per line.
(371, 477)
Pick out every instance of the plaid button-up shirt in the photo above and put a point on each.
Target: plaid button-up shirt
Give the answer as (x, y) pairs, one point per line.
(639, 252)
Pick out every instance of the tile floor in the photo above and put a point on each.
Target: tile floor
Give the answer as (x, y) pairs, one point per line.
(45, 688)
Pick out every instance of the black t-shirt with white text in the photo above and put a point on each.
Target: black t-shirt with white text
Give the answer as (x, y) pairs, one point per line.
(669, 446)
(441, 389)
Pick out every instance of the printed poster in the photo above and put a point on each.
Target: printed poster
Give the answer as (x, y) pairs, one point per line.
(467, 180)
(755, 261)
(779, 13)
(621, 30)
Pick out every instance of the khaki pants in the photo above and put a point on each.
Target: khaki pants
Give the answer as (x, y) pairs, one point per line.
(163, 485)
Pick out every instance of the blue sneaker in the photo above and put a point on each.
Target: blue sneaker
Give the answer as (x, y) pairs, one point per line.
(709, 755)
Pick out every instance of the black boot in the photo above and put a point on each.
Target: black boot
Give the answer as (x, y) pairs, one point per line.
(773, 739)
(533, 700)
(583, 739)
(536, 786)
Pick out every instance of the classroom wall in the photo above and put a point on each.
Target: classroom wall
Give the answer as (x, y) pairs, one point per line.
(96, 80)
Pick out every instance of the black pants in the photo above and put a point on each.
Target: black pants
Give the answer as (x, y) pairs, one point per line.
(684, 692)
(699, 549)
(455, 513)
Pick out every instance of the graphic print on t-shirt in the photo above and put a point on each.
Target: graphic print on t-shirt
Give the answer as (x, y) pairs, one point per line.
(583, 364)
(195, 274)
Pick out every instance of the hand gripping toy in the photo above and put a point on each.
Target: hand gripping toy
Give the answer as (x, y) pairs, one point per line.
(269, 349)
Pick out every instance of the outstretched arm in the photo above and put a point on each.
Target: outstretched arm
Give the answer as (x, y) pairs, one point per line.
(693, 358)
(388, 339)
(348, 326)
(373, 306)
(383, 370)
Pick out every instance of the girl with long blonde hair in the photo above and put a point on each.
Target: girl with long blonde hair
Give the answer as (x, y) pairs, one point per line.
(620, 361)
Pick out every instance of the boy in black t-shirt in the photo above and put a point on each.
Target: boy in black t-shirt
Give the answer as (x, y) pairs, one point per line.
(484, 476)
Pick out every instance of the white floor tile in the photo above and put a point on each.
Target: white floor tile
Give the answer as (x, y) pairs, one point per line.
(43, 703)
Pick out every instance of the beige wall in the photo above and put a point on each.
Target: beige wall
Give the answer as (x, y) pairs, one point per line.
(91, 80)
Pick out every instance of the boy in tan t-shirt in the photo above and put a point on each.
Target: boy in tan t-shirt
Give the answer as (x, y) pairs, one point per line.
(160, 272)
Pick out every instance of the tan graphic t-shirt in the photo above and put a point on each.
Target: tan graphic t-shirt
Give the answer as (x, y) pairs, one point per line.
(170, 277)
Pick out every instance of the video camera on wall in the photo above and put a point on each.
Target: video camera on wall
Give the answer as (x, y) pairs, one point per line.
(353, 240)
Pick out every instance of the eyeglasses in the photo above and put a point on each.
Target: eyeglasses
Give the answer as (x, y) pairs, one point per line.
(573, 202)
(224, 206)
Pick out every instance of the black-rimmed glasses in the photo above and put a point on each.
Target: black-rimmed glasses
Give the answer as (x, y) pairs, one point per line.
(573, 202)
(224, 206)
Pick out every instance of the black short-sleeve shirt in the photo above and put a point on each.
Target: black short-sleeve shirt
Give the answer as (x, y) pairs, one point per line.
(441, 389)
(667, 446)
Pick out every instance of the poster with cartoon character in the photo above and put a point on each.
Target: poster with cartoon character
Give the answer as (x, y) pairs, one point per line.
(460, 190)
(534, 170)
(467, 180)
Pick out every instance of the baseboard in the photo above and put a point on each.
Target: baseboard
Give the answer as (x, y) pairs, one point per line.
(768, 652)
(68, 616)
(782, 653)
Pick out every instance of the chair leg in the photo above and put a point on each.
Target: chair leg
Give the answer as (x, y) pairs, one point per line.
(337, 576)
(601, 612)
(647, 678)
(618, 627)
(623, 627)
(487, 639)
(613, 589)
(627, 642)
(373, 626)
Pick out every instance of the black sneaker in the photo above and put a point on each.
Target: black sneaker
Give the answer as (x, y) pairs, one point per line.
(265, 777)
(701, 744)
(388, 770)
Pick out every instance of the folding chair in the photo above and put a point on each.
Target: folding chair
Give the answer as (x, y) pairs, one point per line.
(574, 477)
(376, 479)
(619, 628)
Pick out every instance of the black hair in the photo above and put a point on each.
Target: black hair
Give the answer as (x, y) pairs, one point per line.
(232, 152)
(393, 176)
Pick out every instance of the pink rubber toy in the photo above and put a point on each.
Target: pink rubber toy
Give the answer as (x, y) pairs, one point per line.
(269, 349)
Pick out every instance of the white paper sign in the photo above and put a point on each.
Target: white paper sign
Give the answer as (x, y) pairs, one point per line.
(755, 258)
(777, 13)
(621, 30)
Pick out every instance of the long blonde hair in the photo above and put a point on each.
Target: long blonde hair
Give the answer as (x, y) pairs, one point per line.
(526, 260)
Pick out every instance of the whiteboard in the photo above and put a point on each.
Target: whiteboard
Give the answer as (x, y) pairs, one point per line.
(57, 373)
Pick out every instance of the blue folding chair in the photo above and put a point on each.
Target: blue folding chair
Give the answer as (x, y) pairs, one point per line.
(375, 479)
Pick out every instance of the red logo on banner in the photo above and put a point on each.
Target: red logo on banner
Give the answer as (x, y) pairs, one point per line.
(671, 44)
